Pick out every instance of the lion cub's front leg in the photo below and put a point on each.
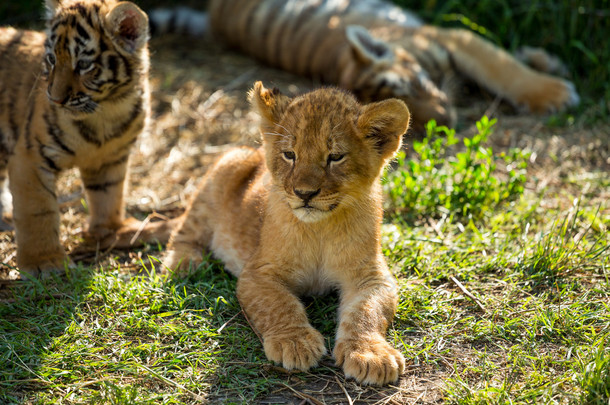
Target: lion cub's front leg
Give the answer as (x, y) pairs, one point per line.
(364, 315)
(278, 315)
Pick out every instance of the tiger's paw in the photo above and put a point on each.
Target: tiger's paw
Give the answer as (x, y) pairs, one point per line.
(542, 61)
(99, 237)
(548, 95)
(45, 267)
(369, 360)
(295, 348)
(129, 233)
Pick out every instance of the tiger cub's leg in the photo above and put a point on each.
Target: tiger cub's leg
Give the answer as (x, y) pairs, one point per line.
(500, 72)
(104, 188)
(280, 318)
(36, 218)
(365, 313)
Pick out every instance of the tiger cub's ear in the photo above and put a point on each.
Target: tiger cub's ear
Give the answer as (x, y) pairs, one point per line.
(270, 104)
(367, 49)
(52, 6)
(383, 124)
(129, 26)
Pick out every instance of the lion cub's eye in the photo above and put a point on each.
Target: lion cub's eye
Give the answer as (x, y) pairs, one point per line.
(289, 156)
(335, 157)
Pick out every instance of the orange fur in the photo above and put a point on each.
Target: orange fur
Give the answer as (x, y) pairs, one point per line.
(302, 215)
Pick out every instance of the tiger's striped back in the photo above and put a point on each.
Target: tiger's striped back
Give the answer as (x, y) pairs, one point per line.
(312, 37)
(75, 96)
(378, 50)
(286, 33)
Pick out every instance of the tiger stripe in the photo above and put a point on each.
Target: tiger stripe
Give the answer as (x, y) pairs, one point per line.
(105, 185)
(56, 135)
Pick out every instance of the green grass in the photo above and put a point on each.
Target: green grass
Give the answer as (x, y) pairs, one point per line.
(538, 328)
(436, 181)
(104, 337)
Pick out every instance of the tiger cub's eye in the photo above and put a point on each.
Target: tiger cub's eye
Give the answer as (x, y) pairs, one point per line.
(51, 59)
(84, 65)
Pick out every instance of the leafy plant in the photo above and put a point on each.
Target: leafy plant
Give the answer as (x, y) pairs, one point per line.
(467, 184)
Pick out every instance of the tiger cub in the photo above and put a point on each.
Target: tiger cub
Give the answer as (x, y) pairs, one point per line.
(378, 51)
(74, 96)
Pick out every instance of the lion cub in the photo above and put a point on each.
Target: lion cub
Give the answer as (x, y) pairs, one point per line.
(302, 215)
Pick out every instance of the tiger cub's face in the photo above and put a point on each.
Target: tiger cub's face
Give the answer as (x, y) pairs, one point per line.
(323, 149)
(95, 51)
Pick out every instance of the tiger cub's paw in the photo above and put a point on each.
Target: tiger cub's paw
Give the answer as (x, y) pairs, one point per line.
(542, 61)
(45, 268)
(369, 360)
(548, 94)
(297, 347)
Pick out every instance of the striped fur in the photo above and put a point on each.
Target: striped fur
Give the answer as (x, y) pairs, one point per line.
(74, 96)
(378, 50)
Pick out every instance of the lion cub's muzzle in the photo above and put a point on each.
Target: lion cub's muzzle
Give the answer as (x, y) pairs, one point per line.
(305, 195)
(310, 206)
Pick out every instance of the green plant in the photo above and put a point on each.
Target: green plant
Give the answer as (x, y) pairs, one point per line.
(564, 249)
(435, 183)
(594, 376)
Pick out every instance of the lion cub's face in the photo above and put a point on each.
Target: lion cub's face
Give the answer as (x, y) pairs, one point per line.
(323, 149)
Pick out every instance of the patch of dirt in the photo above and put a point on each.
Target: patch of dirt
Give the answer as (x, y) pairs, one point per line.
(421, 384)
(200, 109)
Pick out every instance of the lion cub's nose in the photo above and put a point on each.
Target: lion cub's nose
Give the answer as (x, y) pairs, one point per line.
(306, 195)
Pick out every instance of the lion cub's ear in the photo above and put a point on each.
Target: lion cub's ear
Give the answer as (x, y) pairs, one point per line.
(382, 124)
(270, 104)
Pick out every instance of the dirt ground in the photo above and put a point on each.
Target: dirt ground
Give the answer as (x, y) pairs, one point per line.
(200, 109)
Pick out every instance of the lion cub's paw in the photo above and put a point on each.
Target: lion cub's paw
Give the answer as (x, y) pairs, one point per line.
(299, 347)
(369, 361)
(181, 263)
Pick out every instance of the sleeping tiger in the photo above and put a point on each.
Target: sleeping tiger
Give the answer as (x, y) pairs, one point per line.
(76, 96)
(378, 51)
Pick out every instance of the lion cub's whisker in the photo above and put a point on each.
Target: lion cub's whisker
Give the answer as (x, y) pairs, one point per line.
(287, 227)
